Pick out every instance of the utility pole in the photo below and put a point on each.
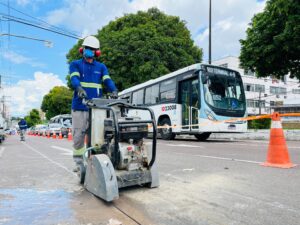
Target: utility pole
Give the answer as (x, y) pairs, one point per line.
(209, 38)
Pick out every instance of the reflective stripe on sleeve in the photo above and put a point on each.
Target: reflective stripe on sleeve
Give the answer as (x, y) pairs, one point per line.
(74, 74)
(105, 77)
(90, 85)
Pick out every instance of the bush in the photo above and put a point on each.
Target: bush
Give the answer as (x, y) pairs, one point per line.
(259, 124)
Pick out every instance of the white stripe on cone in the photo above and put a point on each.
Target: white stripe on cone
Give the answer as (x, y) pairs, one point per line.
(276, 124)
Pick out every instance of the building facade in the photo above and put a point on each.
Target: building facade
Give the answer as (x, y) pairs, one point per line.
(264, 94)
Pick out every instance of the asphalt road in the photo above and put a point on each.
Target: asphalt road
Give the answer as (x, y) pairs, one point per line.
(213, 182)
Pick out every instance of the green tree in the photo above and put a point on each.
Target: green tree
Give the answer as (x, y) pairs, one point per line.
(142, 46)
(259, 124)
(272, 44)
(57, 101)
(33, 118)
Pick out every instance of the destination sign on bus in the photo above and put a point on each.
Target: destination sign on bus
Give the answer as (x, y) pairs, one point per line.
(220, 71)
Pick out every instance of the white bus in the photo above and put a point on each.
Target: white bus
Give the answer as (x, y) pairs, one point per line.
(191, 100)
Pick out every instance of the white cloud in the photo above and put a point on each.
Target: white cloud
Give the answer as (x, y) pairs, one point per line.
(229, 18)
(28, 94)
(17, 58)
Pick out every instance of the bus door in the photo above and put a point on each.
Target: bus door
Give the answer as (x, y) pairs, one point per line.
(189, 98)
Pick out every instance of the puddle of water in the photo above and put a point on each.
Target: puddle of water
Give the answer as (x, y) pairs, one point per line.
(30, 206)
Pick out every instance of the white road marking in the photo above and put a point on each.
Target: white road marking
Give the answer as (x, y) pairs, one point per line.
(50, 160)
(221, 158)
(1, 151)
(191, 169)
(67, 153)
(183, 145)
(63, 149)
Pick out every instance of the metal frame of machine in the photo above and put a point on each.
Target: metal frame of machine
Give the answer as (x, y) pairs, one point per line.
(120, 157)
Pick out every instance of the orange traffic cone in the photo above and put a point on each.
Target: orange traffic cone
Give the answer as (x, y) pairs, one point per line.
(54, 135)
(48, 134)
(70, 138)
(60, 135)
(278, 155)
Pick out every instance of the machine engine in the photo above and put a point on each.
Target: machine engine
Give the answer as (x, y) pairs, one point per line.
(133, 152)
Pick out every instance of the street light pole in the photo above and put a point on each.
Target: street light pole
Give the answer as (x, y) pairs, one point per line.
(46, 42)
(209, 38)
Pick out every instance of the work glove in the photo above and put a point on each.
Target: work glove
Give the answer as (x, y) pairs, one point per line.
(81, 92)
(114, 95)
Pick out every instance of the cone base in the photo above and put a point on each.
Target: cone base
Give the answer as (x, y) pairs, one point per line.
(284, 166)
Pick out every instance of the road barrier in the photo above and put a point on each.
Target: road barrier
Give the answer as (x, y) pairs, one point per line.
(277, 155)
(229, 120)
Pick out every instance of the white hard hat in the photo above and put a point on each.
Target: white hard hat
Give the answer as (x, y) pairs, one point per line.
(92, 42)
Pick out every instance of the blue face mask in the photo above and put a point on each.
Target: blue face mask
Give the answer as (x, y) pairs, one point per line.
(88, 53)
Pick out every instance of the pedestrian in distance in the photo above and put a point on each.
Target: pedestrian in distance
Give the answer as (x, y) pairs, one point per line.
(22, 126)
(87, 77)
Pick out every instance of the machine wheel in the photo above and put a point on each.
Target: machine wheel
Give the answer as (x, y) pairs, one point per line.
(81, 173)
(166, 133)
(203, 136)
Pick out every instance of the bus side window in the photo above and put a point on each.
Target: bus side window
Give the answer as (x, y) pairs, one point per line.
(168, 90)
(151, 94)
(138, 97)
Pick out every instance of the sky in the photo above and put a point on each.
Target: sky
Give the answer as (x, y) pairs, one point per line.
(29, 69)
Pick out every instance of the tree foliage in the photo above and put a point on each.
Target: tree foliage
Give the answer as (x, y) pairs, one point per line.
(33, 118)
(142, 46)
(272, 45)
(57, 101)
(259, 124)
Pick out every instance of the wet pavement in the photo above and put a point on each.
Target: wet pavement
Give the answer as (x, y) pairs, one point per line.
(213, 182)
(29, 206)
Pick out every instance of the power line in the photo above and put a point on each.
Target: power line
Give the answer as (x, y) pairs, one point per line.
(37, 19)
(23, 21)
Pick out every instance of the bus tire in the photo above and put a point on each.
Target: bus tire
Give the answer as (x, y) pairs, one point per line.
(203, 136)
(166, 133)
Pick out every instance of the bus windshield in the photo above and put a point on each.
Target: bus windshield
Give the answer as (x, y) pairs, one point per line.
(224, 91)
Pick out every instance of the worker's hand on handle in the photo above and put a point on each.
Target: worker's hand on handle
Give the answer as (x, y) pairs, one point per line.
(81, 92)
(114, 95)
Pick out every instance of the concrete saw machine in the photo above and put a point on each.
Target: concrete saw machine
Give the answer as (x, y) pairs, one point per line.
(117, 155)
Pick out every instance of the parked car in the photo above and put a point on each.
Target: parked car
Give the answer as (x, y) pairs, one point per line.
(54, 128)
(65, 120)
(42, 130)
(38, 129)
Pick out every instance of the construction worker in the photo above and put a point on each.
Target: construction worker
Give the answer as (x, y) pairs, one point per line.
(22, 126)
(87, 76)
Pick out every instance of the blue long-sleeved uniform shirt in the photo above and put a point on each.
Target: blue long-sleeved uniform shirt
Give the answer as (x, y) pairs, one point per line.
(22, 124)
(90, 76)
